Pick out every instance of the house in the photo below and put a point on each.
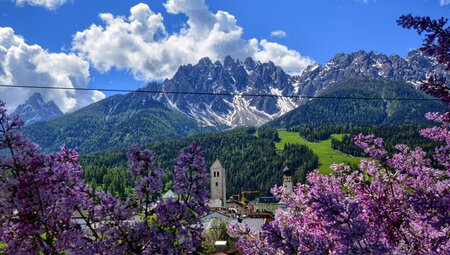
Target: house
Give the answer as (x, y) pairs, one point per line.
(266, 204)
(170, 195)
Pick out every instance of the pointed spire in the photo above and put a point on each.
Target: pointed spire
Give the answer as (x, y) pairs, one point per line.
(216, 164)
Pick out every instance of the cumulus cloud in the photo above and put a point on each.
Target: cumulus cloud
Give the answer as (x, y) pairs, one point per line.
(141, 45)
(24, 64)
(49, 4)
(444, 2)
(278, 33)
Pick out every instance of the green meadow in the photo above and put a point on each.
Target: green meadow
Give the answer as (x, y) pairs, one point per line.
(327, 156)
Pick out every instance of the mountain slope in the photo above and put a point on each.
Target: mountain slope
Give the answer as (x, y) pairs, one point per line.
(113, 123)
(35, 109)
(323, 112)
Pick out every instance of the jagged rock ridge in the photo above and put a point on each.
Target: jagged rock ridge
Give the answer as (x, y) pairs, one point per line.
(413, 69)
(233, 76)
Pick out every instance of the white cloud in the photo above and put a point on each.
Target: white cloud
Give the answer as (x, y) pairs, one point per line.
(24, 64)
(282, 56)
(49, 4)
(278, 33)
(444, 2)
(140, 44)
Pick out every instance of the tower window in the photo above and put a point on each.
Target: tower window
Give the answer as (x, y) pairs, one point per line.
(217, 174)
(217, 184)
(214, 174)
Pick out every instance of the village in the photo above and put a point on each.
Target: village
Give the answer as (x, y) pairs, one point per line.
(255, 214)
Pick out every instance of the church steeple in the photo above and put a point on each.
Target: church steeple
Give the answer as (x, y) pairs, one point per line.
(287, 179)
(218, 182)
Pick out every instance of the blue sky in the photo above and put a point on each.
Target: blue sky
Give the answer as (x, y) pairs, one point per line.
(120, 52)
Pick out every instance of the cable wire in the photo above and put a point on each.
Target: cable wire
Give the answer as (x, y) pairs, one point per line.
(219, 94)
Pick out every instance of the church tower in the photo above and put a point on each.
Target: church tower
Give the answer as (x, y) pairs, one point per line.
(218, 183)
(287, 179)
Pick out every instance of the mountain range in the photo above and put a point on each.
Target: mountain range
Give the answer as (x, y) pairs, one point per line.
(121, 120)
(250, 77)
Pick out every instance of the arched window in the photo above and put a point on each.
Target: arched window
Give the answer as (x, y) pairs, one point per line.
(214, 174)
(217, 174)
(217, 184)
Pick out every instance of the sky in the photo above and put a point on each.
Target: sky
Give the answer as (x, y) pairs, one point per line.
(125, 44)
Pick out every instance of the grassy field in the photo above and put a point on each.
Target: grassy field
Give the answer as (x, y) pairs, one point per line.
(327, 156)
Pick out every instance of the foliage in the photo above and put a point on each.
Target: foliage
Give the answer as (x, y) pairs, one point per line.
(251, 163)
(346, 145)
(435, 44)
(301, 159)
(41, 193)
(218, 232)
(266, 132)
(114, 180)
(325, 112)
(437, 38)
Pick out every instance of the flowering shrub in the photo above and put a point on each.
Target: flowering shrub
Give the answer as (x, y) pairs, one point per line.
(392, 204)
(39, 195)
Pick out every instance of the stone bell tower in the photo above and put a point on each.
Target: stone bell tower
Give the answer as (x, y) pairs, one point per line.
(287, 179)
(218, 183)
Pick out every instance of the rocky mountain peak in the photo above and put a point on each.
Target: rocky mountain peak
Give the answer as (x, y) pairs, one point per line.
(234, 77)
(206, 62)
(249, 64)
(35, 109)
(229, 62)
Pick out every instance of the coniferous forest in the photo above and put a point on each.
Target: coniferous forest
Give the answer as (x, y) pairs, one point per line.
(251, 163)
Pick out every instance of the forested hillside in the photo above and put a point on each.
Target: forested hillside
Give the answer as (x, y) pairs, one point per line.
(363, 109)
(251, 163)
(114, 123)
